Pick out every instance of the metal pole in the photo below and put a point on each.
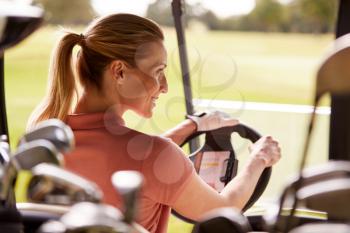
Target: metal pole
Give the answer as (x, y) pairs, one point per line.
(178, 14)
(339, 138)
(3, 118)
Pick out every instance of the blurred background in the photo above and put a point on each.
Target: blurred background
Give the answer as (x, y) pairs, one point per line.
(255, 60)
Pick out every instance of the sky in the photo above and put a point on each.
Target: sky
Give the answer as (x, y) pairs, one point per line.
(221, 8)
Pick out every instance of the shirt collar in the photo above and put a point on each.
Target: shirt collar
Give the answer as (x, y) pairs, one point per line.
(94, 120)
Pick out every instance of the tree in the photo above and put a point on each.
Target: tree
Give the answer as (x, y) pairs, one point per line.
(211, 20)
(267, 15)
(160, 11)
(313, 16)
(67, 11)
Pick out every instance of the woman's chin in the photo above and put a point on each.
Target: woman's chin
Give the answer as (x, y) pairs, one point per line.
(145, 114)
(148, 114)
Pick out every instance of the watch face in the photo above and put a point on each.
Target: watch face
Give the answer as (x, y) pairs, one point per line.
(211, 166)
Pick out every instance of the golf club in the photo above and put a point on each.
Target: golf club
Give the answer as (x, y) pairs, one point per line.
(223, 220)
(4, 150)
(322, 228)
(333, 76)
(88, 217)
(54, 185)
(17, 22)
(128, 185)
(53, 130)
(27, 156)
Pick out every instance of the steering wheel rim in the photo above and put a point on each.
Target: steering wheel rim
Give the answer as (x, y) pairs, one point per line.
(220, 140)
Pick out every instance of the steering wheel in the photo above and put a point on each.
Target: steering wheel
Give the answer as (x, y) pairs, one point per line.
(218, 150)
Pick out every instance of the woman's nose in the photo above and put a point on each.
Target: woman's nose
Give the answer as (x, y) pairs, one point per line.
(164, 85)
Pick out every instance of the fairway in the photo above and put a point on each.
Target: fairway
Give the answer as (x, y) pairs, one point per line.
(240, 66)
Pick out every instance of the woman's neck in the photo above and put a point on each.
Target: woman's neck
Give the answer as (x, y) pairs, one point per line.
(93, 101)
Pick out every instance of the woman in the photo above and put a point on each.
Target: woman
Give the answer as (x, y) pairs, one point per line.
(120, 67)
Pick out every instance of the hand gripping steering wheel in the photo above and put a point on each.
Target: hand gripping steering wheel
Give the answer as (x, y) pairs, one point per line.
(216, 162)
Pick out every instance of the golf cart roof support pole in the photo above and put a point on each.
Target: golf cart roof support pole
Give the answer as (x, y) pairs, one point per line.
(3, 118)
(178, 7)
(339, 138)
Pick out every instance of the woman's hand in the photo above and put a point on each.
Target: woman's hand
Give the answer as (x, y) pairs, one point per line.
(266, 150)
(203, 121)
(206, 121)
(198, 197)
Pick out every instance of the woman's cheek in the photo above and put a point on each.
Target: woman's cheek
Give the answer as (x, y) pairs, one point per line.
(133, 88)
(152, 86)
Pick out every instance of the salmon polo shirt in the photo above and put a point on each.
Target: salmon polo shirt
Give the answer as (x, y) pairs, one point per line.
(105, 145)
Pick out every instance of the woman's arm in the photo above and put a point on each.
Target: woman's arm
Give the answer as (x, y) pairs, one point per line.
(198, 197)
(179, 133)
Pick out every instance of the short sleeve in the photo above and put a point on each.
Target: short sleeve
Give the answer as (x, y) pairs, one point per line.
(167, 171)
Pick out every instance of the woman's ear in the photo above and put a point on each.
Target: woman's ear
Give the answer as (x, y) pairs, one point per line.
(117, 69)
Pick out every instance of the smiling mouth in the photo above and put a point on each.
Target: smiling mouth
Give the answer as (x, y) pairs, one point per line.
(154, 99)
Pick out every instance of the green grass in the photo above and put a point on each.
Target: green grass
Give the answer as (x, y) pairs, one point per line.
(268, 67)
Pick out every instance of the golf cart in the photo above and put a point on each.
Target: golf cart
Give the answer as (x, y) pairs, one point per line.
(315, 187)
(219, 140)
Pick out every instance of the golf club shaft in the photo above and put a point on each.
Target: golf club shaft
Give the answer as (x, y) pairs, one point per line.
(302, 164)
(7, 180)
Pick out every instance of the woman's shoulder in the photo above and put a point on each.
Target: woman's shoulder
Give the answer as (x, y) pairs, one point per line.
(137, 137)
(162, 153)
(141, 146)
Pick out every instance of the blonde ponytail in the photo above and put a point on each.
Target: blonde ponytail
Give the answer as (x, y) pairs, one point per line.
(61, 87)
